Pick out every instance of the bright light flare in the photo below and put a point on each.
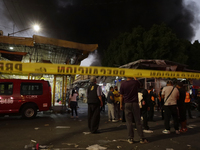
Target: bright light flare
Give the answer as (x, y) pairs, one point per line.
(36, 27)
(11, 47)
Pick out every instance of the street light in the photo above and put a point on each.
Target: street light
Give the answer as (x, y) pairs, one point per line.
(35, 27)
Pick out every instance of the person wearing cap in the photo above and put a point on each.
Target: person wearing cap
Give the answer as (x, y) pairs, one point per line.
(170, 95)
(129, 95)
(181, 107)
(94, 100)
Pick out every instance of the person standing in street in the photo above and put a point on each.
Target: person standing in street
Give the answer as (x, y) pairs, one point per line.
(181, 107)
(144, 106)
(117, 103)
(104, 102)
(188, 105)
(151, 98)
(170, 95)
(129, 95)
(73, 103)
(94, 101)
(161, 103)
(111, 107)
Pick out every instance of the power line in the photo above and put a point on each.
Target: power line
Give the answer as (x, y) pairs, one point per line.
(19, 17)
(10, 13)
(6, 27)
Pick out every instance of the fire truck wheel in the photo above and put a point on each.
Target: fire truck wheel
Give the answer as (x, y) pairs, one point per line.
(29, 111)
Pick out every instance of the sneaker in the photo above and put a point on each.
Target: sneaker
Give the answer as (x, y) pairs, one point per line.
(177, 132)
(147, 131)
(109, 120)
(166, 131)
(72, 116)
(130, 141)
(143, 141)
(76, 116)
(183, 130)
(114, 120)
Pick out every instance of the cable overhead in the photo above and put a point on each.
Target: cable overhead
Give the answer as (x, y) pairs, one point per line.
(10, 14)
(23, 16)
(19, 17)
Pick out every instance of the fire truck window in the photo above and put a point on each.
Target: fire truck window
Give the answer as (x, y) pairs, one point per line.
(31, 89)
(6, 88)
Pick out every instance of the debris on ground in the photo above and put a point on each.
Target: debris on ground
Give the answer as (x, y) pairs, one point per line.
(174, 141)
(62, 127)
(86, 133)
(96, 147)
(119, 147)
(191, 126)
(71, 144)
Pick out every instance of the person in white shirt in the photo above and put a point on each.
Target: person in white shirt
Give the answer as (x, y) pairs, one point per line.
(170, 95)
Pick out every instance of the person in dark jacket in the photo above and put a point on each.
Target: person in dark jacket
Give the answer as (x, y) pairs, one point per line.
(94, 101)
(161, 103)
(104, 99)
(143, 102)
(181, 107)
(151, 101)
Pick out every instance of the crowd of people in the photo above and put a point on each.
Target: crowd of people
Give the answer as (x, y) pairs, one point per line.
(137, 103)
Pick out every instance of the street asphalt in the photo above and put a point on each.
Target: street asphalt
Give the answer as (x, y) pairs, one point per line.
(57, 131)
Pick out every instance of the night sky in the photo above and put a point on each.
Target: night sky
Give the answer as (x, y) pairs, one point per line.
(99, 21)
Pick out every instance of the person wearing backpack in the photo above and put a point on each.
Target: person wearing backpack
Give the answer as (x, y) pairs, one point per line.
(144, 106)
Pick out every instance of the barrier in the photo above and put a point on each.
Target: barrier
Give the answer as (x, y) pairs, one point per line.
(15, 67)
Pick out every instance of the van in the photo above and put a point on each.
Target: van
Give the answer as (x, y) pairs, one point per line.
(26, 97)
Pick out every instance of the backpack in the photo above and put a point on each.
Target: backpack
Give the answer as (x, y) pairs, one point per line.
(140, 99)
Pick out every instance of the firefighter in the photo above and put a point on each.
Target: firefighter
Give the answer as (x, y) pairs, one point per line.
(151, 99)
(188, 105)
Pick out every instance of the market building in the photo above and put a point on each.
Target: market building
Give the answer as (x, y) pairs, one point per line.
(39, 49)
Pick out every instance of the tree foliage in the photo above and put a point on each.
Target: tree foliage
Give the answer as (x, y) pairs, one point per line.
(159, 42)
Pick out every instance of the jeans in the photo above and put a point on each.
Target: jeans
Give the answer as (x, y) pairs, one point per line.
(171, 111)
(111, 111)
(73, 106)
(132, 109)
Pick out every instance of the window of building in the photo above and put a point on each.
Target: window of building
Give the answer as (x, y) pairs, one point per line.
(31, 89)
(6, 88)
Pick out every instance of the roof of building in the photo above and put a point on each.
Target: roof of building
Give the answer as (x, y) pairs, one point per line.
(155, 64)
(43, 48)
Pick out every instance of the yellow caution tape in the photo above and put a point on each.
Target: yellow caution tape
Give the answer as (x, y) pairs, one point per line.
(14, 67)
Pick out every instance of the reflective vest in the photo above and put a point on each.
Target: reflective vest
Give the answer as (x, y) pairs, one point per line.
(152, 98)
(187, 97)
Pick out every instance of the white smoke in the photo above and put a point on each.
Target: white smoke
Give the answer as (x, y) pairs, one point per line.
(92, 60)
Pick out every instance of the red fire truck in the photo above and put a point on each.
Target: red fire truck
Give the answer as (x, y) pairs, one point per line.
(26, 97)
